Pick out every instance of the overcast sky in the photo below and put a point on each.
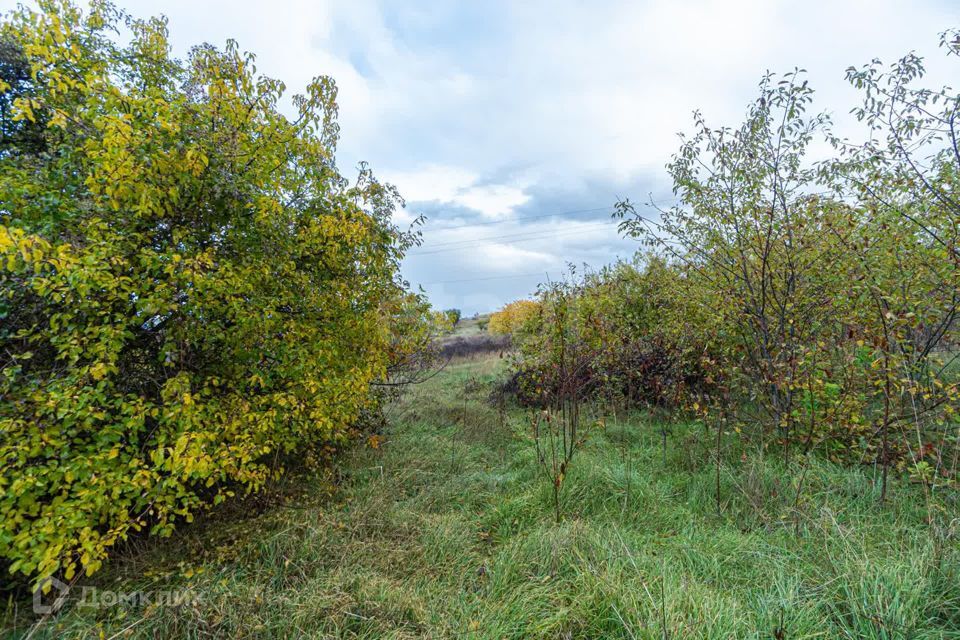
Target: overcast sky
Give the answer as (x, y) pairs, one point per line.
(488, 113)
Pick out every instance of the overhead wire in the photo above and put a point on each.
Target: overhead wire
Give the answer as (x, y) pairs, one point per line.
(663, 200)
(482, 242)
(514, 238)
(515, 275)
(460, 245)
(521, 234)
(523, 218)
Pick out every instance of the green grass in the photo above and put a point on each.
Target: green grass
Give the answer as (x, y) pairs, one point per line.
(447, 531)
(468, 328)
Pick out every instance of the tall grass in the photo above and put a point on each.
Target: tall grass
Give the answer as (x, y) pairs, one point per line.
(410, 546)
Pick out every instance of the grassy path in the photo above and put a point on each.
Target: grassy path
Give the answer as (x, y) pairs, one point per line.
(445, 531)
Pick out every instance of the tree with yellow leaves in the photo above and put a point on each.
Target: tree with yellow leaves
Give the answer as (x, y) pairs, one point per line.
(512, 317)
(189, 289)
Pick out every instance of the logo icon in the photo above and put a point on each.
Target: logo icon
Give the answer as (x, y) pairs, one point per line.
(50, 602)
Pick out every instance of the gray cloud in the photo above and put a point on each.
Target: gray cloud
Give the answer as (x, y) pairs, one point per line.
(496, 111)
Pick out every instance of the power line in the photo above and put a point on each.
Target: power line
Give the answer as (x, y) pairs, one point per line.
(521, 219)
(514, 235)
(483, 240)
(666, 200)
(516, 275)
(472, 243)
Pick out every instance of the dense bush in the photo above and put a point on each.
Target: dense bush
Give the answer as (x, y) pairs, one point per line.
(651, 339)
(636, 337)
(833, 288)
(512, 317)
(811, 305)
(189, 289)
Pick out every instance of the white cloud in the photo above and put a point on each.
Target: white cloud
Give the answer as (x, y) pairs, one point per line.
(495, 106)
(458, 187)
(505, 259)
(494, 201)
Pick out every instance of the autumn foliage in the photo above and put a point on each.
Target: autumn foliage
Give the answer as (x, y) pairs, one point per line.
(190, 291)
(810, 306)
(512, 317)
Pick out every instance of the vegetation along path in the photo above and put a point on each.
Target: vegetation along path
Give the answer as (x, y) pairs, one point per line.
(444, 528)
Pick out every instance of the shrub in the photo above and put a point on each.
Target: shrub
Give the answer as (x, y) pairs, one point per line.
(189, 289)
(466, 347)
(512, 317)
(453, 315)
(637, 337)
(830, 289)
